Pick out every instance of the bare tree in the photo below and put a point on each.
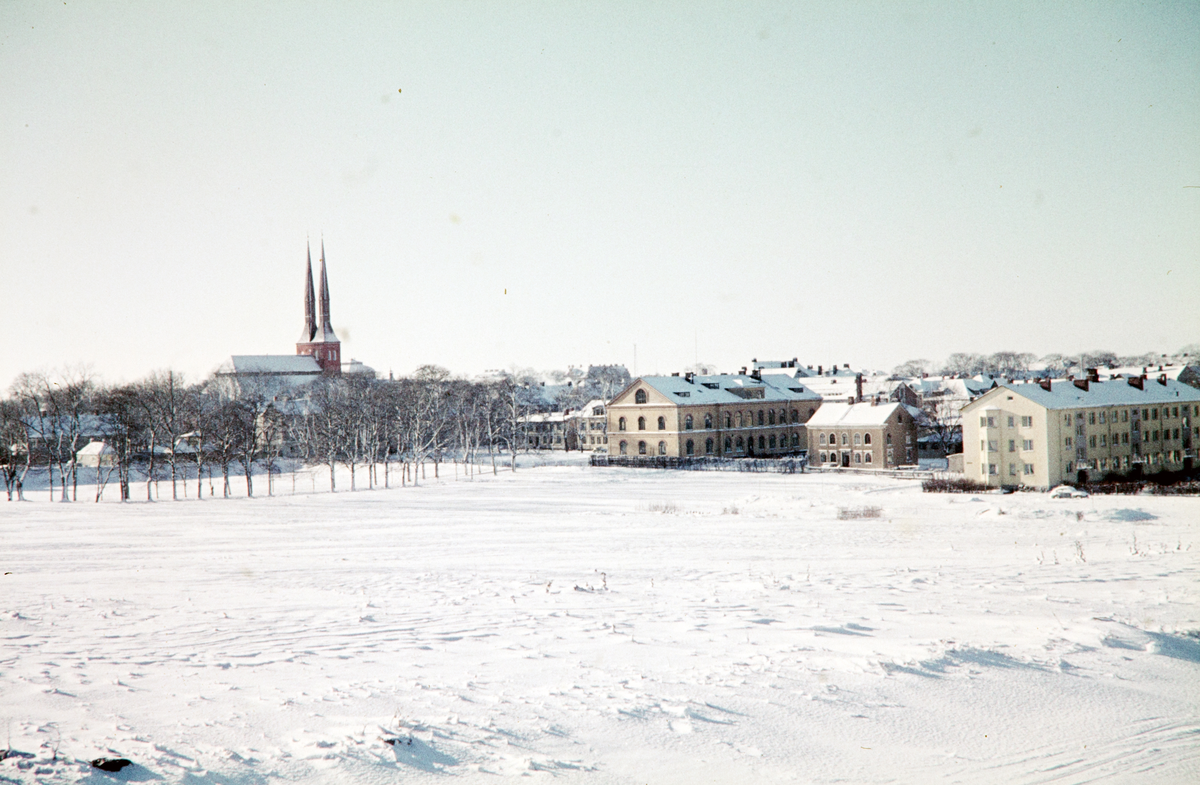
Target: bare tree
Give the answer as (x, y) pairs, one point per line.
(14, 449)
(912, 368)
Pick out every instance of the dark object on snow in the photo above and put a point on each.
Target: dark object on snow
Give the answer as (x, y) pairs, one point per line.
(398, 742)
(111, 764)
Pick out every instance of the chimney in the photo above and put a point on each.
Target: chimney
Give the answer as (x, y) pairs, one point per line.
(820, 370)
(1080, 383)
(1162, 379)
(1135, 381)
(675, 373)
(845, 365)
(858, 388)
(688, 377)
(1093, 374)
(742, 371)
(756, 375)
(1045, 384)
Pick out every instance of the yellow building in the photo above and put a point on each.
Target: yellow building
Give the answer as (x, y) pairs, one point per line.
(727, 415)
(1043, 433)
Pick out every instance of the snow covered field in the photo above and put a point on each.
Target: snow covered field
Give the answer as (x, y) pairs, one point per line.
(604, 625)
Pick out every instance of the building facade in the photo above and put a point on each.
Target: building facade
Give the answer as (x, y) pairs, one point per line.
(722, 415)
(864, 435)
(1043, 433)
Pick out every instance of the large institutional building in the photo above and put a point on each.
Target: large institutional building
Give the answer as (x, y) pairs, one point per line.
(729, 415)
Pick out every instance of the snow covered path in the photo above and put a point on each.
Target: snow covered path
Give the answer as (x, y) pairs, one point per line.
(609, 625)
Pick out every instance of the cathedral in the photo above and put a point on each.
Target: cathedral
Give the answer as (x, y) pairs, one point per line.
(318, 339)
(318, 352)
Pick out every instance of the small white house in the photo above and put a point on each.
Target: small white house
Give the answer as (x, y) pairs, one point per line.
(96, 454)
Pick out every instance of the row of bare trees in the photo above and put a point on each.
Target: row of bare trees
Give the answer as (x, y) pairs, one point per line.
(164, 428)
(1016, 363)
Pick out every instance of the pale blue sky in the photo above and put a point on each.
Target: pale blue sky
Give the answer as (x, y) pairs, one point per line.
(849, 182)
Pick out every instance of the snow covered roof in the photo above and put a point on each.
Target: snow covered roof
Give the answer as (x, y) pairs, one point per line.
(856, 415)
(275, 364)
(1117, 392)
(95, 448)
(728, 388)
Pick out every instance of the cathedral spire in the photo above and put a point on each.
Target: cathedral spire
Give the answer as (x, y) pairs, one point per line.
(326, 328)
(310, 305)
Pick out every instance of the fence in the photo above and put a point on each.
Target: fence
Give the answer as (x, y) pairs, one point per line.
(791, 465)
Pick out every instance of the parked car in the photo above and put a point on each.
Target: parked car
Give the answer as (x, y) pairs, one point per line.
(1067, 492)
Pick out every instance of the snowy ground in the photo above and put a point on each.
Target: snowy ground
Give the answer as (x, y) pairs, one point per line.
(604, 625)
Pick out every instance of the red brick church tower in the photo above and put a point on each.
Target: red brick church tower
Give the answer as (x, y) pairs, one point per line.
(318, 339)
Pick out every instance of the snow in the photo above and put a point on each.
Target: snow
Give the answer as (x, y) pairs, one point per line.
(604, 625)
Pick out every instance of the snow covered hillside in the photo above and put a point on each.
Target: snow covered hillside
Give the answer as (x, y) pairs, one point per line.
(607, 626)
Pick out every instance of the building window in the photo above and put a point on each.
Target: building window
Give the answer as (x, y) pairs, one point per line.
(1102, 418)
(1027, 444)
(832, 439)
(824, 457)
(992, 445)
(662, 448)
(639, 396)
(708, 446)
(624, 448)
(822, 439)
(858, 456)
(858, 440)
(762, 443)
(740, 444)
(772, 442)
(795, 415)
(691, 447)
(992, 469)
(1026, 422)
(868, 458)
(728, 445)
(1029, 468)
(1012, 470)
(641, 423)
(1068, 442)
(1011, 424)
(1091, 418)
(641, 448)
(866, 438)
(687, 423)
(760, 416)
(771, 416)
(728, 420)
(621, 425)
(1012, 445)
(662, 423)
(795, 440)
(707, 421)
(888, 439)
(845, 439)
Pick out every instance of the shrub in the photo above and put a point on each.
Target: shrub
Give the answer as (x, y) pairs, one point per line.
(854, 513)
(952, 485)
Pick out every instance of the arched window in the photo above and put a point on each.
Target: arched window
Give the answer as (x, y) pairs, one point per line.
(707, 421)
(728, 420)
(639, 396)
(795, 440)
(728, 444)
(741, 445)
(845, 439)
(822, 439)
(624, 447)
(762, 443)
(824, 457)
(739, 419)
(621, 425)
(641, 448)
(858, 440)
(858, 457)
(641, 423)
(868, 458)
(771, 416)
(760, 416)
(795, 416)
(889, 438)
(687, 423)
(662, 448)
(662, 423)
(866, 438)
(708, 446)
(691, 447)
(772, 442)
